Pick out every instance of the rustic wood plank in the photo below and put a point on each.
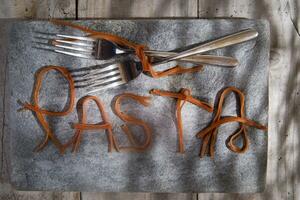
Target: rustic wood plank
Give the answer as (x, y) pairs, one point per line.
(28, 9)
(114, 196)
(37, 9)
(173, 196)
(284, 158)
(137, 8)
(8, 193)
(3, 50)
(138, 196)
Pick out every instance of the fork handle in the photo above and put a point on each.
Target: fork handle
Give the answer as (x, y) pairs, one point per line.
(232, 39)
(198, 59)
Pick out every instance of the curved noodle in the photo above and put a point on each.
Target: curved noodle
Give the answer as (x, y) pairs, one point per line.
(41, 113)
(209, 134)
(132, 120)
(82, 125)
(182, 97)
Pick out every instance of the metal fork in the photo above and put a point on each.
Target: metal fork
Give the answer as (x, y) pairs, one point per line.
(108, 76)
(229, 40)
(101, 77)
(86, 47)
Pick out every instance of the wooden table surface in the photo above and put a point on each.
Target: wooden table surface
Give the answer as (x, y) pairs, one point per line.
(283, 173)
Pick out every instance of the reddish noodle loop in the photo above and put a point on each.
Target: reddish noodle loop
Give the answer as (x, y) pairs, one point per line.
(135, 147)
(82, 126)
(209, 134)
(41, 113)
(182, 97)
(139, 50)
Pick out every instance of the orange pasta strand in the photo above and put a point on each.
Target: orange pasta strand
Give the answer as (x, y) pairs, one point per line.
(83, 126)
(41, 113)
(133, 120)
(182, 97)
(209, 134)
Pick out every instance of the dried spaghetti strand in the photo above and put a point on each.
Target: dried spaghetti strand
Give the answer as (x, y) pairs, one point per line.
(83, 125)
(209, 134)
(139, 50)
(135, 147)
(182, 97)
(41, 113)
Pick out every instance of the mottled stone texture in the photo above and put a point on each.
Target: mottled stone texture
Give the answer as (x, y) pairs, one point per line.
(161, 169)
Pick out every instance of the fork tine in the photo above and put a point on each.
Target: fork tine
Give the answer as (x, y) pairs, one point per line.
(85, 44)
(89, 56)
(88, 50)
(111, 85)
(76, 37)
(47, 47)
(64, 52)
(85, 53)
(42, 46)
(86, 72)
(96, 76)
(99, 82)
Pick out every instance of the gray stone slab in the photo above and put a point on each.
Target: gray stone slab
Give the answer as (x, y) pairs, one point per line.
(161, 169)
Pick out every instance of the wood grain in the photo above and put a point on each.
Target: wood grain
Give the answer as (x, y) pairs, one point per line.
(37, 9)
(137, 196)
(3, 50)
(136, 8)
(283, 148)
(114, 196)
(173, 196)
(8, 193)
